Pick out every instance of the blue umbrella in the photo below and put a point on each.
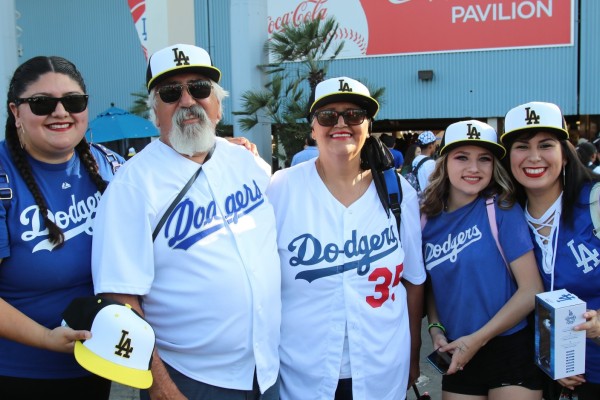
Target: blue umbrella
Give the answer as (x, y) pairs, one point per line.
(116, 124)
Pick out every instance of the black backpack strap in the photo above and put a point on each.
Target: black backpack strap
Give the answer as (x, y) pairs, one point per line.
(420, 163)
(394, 191)
(109, 155)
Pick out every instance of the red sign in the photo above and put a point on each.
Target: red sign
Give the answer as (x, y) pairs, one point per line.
(381, 27)
(138, 13)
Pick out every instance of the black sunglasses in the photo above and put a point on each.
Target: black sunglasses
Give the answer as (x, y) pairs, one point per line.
(331, 117)
(44, 105)
(172, 93)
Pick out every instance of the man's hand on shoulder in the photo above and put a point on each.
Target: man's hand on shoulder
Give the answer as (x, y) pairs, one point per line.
(242, 141)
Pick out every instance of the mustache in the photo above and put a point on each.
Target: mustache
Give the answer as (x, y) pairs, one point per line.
(195, 111)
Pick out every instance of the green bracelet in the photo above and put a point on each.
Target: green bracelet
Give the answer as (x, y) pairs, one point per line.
(436, 325)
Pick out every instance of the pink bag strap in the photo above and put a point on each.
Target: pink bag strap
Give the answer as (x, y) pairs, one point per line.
(491, 213)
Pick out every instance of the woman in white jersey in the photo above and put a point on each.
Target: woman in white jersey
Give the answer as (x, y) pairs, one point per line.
(556, 191)
(351, 283)
(482, 284)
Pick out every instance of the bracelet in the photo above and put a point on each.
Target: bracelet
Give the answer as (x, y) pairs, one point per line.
(436, 325)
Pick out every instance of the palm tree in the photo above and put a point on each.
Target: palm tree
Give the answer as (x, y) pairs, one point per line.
(299, 54)
(140, 106)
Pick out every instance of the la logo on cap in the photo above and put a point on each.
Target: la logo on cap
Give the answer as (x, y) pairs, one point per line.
(531, 116)
(472, 132)
(344, 86)
(124, 348)
(180, 57)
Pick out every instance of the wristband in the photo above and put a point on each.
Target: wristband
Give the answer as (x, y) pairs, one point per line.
(436, 325)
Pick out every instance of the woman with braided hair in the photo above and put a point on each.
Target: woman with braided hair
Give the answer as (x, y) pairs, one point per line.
(56, 179)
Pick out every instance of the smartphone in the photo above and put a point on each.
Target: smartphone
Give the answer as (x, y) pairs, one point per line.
(440, 361)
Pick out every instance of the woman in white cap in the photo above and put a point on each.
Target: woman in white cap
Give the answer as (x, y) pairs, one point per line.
(349, 278)
(480, 263)
(556, 191)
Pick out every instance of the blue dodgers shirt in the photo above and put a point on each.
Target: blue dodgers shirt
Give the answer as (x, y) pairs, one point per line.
(577, 269)
(469, 277)
(37, 278)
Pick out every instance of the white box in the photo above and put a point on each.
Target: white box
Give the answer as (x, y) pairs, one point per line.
(559, 350)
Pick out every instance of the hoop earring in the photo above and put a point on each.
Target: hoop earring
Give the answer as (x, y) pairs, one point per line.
(20, 136)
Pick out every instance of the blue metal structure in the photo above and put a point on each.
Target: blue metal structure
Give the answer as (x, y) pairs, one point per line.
(97, 35)
(100, 38)
(589, 85)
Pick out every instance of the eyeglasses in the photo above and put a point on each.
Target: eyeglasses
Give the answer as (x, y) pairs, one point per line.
(331, 117)
(44, 105)
(172, 93)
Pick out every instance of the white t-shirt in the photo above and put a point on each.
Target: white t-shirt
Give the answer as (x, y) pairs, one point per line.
(210, 283)
(424, 170)
(341, 269)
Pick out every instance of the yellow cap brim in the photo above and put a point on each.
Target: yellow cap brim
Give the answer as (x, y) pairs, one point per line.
(141, 379)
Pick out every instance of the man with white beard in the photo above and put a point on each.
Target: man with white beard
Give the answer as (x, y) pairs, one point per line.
(185, 235)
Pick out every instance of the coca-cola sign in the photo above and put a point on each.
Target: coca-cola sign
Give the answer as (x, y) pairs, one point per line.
(385, 27)
(304, 11)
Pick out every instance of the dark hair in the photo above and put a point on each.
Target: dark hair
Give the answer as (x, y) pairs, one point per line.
(586, 151)
(410, 155)
(25, 75)
(576, 175)
(310, 141)
(388, 140)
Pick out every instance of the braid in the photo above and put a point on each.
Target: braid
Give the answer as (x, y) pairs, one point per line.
(26, 74)
(90, 164)
(55, 235)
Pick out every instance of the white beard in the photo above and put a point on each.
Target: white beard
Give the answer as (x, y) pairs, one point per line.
(195, 138)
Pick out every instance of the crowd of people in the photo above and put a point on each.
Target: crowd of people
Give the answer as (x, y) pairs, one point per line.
(307, 284)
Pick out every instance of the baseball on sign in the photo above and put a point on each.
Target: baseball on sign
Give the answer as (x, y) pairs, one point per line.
(353, 28)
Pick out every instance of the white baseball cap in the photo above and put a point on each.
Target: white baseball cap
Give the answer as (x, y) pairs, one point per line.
(122, 342)
(344, 89)
(534, 117)
(474, 133)
(179, 58)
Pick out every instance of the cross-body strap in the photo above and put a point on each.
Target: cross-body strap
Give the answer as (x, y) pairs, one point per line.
(179, 197)
(174, 203)
(423, 221)
(109, 155)
(491, 213)
(416, 169)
